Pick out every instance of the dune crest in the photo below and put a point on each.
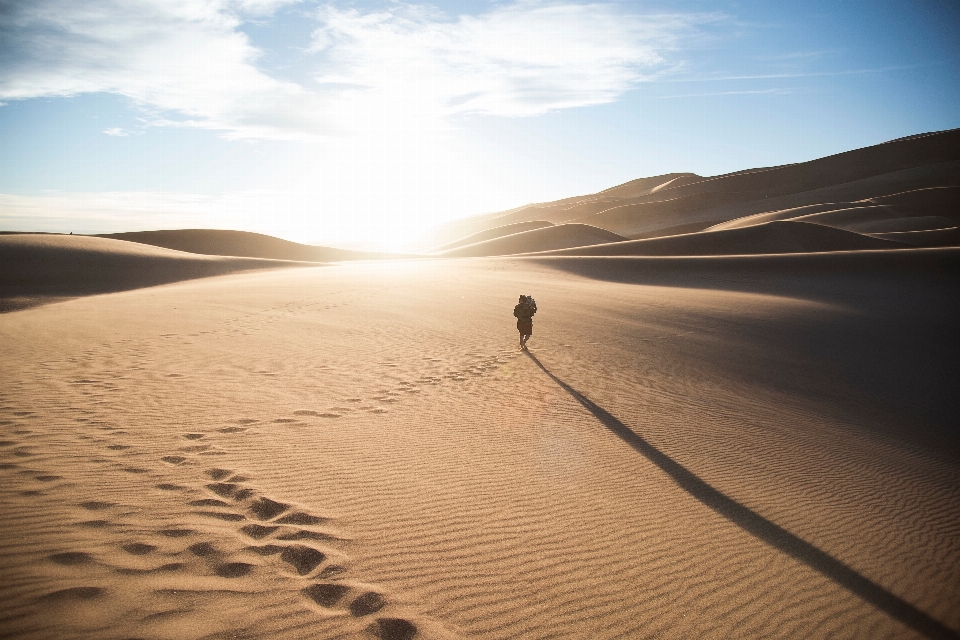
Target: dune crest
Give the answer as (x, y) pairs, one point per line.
(541, 239)
(219, 242)
(911, 178)
(37, 268)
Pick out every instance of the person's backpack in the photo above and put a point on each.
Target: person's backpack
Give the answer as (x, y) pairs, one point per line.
(525, 309)
(531, 305)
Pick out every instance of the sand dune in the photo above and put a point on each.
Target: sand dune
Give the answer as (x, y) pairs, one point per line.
(932, 238)
(35, 268)
(745, 446)
(676, 203)
(496, 232)
(747, 430)
(218, 242)
(543, 239)
(781, 236)
(936, 206)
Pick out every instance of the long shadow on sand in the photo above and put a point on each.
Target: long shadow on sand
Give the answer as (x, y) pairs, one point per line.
(762, 528)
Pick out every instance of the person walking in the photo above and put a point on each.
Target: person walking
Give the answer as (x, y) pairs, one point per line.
(523, 312)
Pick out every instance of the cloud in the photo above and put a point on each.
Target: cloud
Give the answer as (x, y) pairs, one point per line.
(188, 63)
(516, 60)
(180, 56)
(116, 131)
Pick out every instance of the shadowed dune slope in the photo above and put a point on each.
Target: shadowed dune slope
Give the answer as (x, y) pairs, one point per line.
(675, 203)
(217, 242)
(38, 267)
(916, 210)
(771, 237)
(544, 239)
(932, 238)
(496, 232)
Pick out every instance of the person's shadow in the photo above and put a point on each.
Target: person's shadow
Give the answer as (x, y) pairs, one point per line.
(760, 527)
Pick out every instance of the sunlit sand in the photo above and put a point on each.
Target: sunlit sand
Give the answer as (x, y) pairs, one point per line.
(742, 430)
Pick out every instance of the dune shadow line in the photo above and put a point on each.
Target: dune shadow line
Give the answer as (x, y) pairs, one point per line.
(762, 528)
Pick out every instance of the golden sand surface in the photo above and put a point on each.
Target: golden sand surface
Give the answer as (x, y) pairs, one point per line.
(768, 450)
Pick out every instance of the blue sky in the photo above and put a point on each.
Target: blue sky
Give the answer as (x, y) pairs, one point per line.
(362, 124)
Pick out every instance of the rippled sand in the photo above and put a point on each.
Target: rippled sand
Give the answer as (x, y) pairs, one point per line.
(361, 451)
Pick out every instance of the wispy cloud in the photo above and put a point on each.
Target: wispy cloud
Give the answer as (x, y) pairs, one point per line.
(185, 56)
(517, 60)
(188, 63)
(117, 132)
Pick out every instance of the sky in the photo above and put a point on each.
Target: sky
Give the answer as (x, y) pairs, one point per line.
(362, 124)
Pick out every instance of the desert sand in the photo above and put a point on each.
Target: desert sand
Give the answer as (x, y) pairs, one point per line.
(748, 432)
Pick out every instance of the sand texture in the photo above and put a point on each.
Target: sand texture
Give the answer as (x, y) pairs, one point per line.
(742, 447)
(737, 419)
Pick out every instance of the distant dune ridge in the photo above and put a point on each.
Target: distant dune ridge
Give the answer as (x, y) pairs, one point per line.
(218, 242)
(897, 195)
(905, 185)
(42, 267)
(496, 232)
(541, 239)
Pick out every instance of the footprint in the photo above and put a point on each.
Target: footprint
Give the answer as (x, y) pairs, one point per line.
(257, 531)
(304, 559)
(393, 629)
(219, 474)
(174, 459)
(176, 533)
(242, 495)
(326, 594)
(267, 509)
(93, 524)
(134, 470)
(369, 602)
(138, 548)
(306, 412)
(307, 535)
(231, 430)
(224, 489)
(300, 518)
(48, 478)
(286, 420)
(208, 502)
(118, 447)
(247, 421)
(330, 415)
(169, 487)
(193, 436)
(72, 558)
